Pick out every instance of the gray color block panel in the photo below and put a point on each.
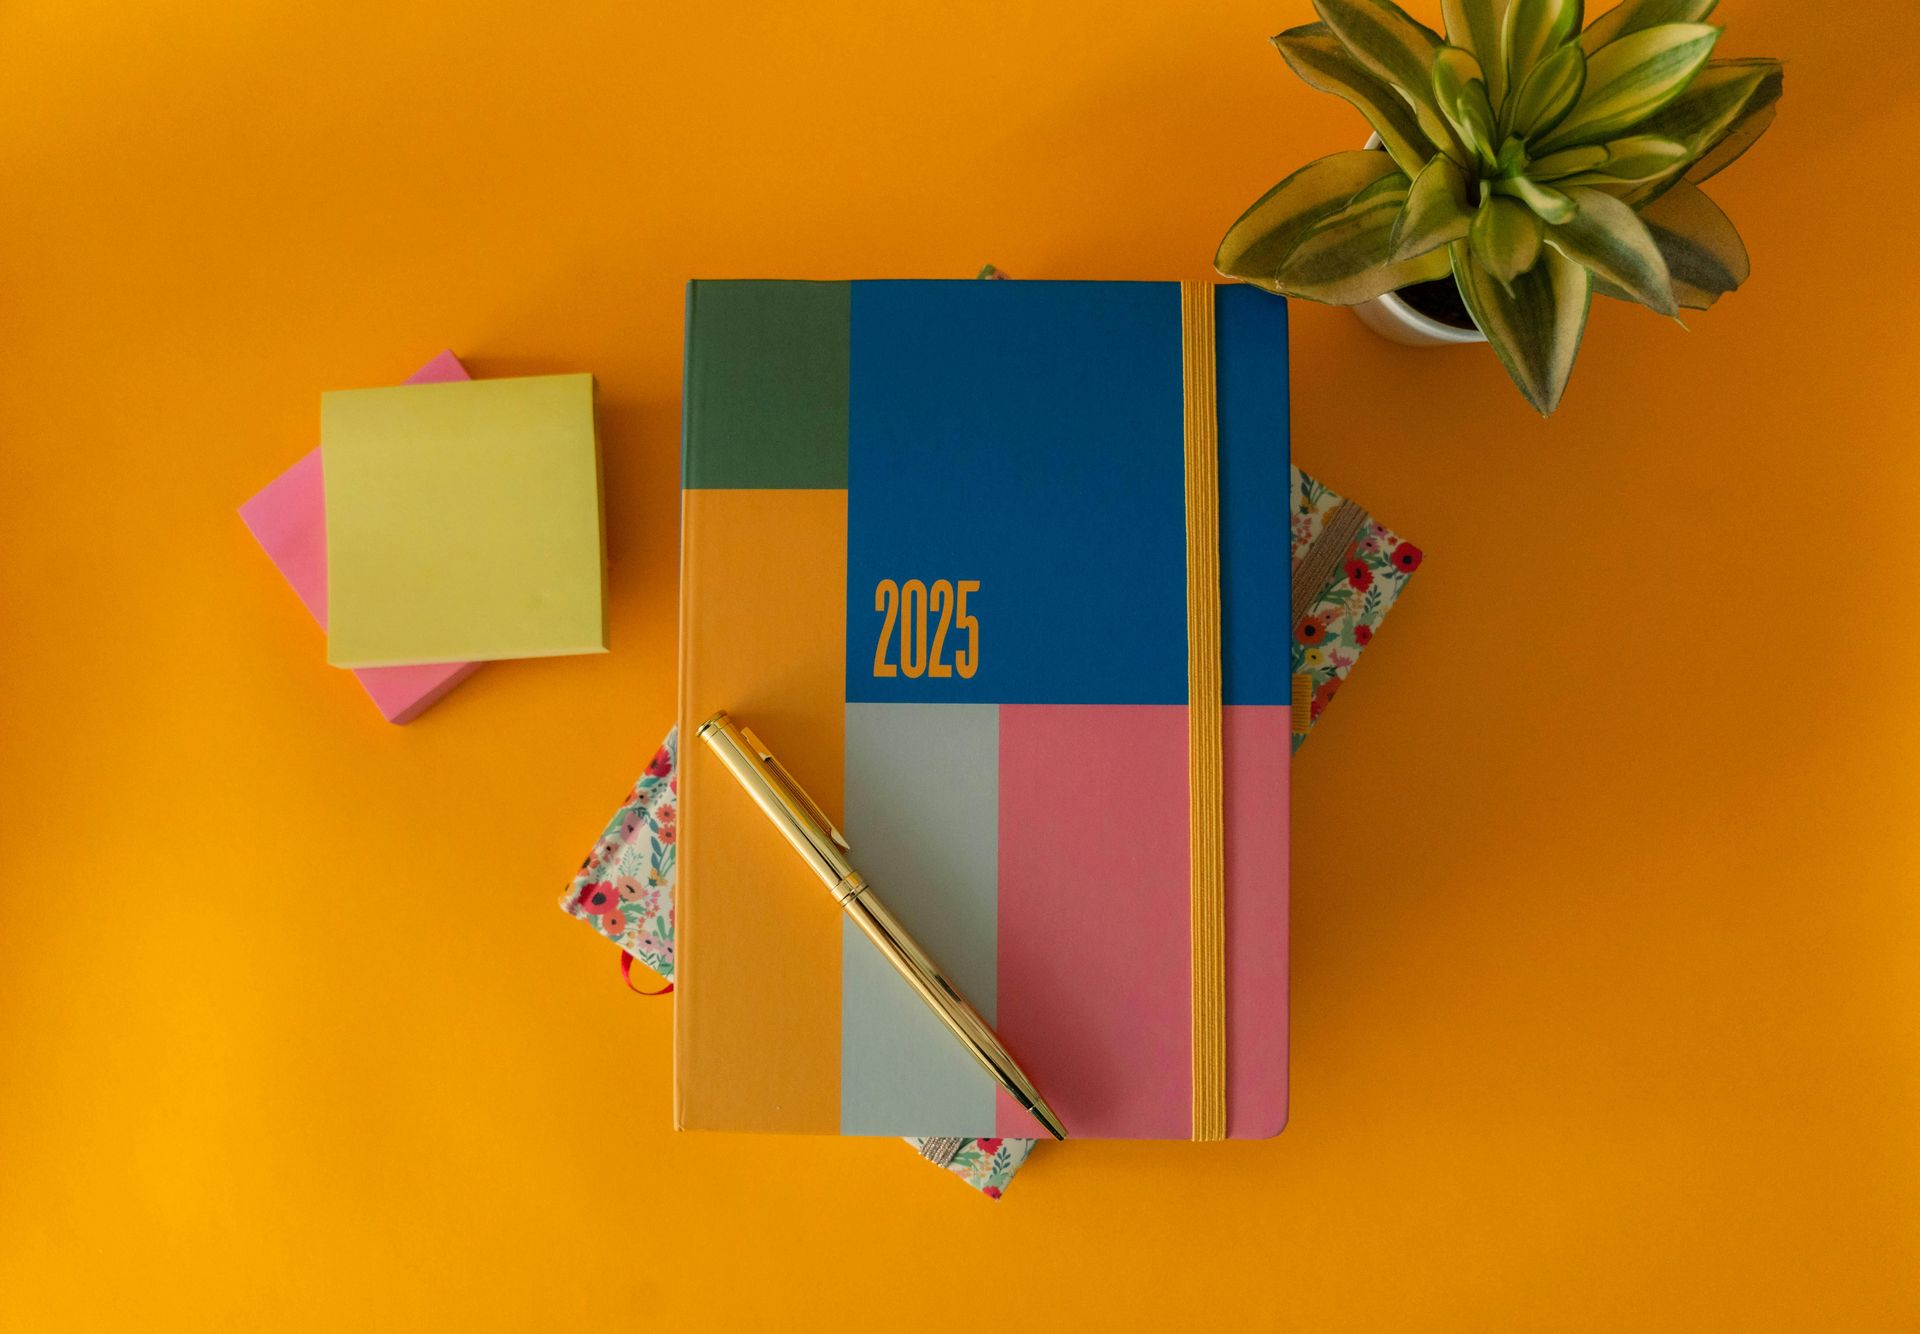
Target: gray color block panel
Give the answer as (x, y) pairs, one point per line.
(922, 814)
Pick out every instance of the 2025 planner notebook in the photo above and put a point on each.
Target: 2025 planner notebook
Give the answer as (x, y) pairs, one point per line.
(999, 571)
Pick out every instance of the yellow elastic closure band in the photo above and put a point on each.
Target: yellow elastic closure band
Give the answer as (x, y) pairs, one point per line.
(1206, 822)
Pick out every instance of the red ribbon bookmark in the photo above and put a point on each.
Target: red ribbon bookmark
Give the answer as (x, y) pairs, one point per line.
(626, 971)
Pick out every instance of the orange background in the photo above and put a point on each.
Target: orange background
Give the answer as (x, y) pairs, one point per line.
(1606, 969)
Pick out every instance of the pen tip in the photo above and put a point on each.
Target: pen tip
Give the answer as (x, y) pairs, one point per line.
(1044, 1115)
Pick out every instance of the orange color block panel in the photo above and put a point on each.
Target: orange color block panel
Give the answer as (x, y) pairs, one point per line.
(757, 1034)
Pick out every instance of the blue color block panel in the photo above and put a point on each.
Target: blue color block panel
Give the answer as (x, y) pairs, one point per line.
(1025, 437)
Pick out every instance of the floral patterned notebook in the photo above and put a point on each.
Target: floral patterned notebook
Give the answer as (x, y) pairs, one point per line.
(1348, 570)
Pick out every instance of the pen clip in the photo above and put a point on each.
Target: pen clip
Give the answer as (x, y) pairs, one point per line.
(794, 791)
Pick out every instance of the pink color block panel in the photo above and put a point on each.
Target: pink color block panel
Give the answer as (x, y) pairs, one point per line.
(1093, 992)
(1091, 995)
(288, 518)
(1257, 748)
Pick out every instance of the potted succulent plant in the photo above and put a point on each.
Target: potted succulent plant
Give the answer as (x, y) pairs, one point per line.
(1522, 163)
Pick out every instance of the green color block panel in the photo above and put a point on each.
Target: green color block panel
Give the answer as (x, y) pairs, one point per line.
(767, 367)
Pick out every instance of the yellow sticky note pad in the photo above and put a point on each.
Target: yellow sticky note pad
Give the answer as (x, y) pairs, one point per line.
(463, 521)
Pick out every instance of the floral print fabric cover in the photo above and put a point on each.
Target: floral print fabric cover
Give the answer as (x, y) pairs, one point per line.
(624, 890)
(1330, 634)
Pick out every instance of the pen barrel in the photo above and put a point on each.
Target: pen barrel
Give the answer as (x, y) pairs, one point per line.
(795, 823)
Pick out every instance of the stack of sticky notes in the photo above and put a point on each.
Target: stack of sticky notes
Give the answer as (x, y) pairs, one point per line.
(441, 523)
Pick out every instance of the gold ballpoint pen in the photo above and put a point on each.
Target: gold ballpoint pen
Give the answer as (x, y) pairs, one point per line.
(824, 849)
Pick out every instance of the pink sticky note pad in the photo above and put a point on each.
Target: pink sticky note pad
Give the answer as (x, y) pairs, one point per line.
(289, 521)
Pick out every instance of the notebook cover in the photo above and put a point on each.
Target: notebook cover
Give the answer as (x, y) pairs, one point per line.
(463, 521)
(1020, 443)
(288, 518)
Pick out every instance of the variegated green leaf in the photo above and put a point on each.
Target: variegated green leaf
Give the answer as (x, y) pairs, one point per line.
(1690, 297)
(1387, 40)
(1642, 156)
(1547, 94)
(1440, 131)
(1631, 79)
(1395, 47)
(1534, 30)
(1343, 259)
(1733, 145)
(1633, 15)
(1567, 162)
(1505, 237)
(1437, 211)
(1703, 251)
(1601, 287)
(1322, 62)
(1606, 237)
(1474, 25)
(1723, 96)
(1460, 89)
(1631, 160)
(1684, 296)
(1549, 203)
(1534, 323)
(1722, 92)
(1255, 245)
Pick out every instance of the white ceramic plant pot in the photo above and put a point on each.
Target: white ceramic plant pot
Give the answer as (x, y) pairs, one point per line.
(1394, 319)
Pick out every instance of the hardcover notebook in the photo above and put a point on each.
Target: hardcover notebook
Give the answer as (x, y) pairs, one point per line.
(935, 551)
